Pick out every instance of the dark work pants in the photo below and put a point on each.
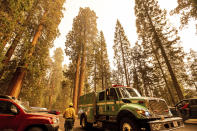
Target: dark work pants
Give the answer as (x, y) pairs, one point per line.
(68, 125)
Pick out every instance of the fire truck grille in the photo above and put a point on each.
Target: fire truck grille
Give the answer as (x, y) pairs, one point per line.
(158, 107)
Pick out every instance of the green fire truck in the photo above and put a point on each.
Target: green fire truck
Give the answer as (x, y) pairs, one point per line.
(126, 110)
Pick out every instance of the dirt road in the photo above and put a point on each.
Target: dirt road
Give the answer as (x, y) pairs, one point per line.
(77, 127)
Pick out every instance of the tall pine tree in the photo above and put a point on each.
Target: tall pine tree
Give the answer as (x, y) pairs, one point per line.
(152, 24)
(121, 52)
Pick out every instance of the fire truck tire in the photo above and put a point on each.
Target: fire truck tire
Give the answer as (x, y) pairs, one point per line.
(84, 123)
(127, 124)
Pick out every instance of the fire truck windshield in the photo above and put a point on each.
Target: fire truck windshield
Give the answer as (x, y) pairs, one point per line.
(129, 92)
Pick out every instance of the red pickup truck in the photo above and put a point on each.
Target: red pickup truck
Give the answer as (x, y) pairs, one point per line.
(14, 116)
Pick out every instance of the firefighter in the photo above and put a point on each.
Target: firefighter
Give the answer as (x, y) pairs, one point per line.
(69, 115)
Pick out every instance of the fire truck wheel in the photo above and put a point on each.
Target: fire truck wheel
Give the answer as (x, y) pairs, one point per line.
(127, 124)
(84, 123)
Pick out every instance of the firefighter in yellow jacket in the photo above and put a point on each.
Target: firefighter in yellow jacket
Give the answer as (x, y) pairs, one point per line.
(69, 115)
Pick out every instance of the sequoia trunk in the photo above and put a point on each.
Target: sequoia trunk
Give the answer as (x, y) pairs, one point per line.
(15, 83)
(76, 86)
(82, 73)
(8, 54)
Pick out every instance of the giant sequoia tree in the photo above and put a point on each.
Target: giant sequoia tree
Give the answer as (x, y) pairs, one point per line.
(152, 28)
(12, 13)
(40, 32)
(79, 40)
(73, 50)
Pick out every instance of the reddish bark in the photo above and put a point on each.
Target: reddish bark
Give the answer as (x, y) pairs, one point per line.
(82, 71)
(75, 90)
(15, 83)
(9, 54)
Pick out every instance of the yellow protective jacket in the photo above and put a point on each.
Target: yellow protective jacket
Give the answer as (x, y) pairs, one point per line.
(69, 113)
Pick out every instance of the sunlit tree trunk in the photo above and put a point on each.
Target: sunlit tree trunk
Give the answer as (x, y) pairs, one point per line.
(71, 90)
(15, 83)
(9, 54)
(76, 86)
(12, 48)
(50, 101)
(82, 70)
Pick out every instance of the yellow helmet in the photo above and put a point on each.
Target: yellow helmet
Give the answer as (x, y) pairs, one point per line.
(71, 105)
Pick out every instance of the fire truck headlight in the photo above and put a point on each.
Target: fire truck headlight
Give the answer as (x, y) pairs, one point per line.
(147, 114)
(144, 113)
